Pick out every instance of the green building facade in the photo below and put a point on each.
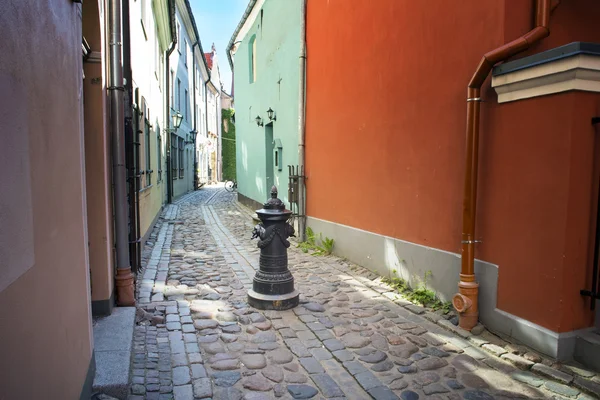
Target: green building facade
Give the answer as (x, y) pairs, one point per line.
(265, 49)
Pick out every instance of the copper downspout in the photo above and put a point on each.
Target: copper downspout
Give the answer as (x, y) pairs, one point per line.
(465, 301)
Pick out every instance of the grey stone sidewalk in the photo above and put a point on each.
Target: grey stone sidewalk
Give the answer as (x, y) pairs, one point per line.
(351, 337)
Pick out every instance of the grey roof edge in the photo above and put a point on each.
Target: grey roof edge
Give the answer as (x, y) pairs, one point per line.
(558, 53)
(249, 8)
(191, 14)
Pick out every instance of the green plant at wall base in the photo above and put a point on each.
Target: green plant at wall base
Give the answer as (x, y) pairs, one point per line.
(228, 144)
(420, 294)
(318, 245)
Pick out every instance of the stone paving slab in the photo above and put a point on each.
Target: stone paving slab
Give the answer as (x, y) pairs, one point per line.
(351, 337)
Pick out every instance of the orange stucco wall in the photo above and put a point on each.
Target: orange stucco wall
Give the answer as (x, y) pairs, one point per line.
(385, 139)
(45, 323)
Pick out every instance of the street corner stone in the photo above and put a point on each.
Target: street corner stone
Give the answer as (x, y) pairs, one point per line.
(431, 363)
(395, 340)
(184, 392)
(229, 393)
(383, 366)
(454, 384)
(264, 337)
(287, 333)
(494, 349)
(561, 389)
(407, 369)
(417, 340)
(478, 329)
(333, 344)
(327, 385)
(257, 382)
(198, 371)
(302, 391)
(517, 361)
(228, 337)
(295, 377)
(404, 350)
(477, 395)
(268, 346)
(229, 329)
(343, 355)
(263, 326)
(314, 307)
(181, 376)
(251, 329)
(201, 324)
(354, 367)
(367, 380)
(354, 340)
(280, 356)
(552, 373)
(273, 373)
(466, 363)
(409, 395)
(398, 384)
(473, 381)
(435, 388)
(415, 309)
(592, 387)
(435, 352)
(382, 393)
(426, 378)
(321, 354)
(226, 378)
(373, 357)
(528, 378)
(202, 388)
(311, 365)
(225, 365)
(254, 361)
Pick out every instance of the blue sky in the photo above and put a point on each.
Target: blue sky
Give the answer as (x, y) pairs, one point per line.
(216, 21)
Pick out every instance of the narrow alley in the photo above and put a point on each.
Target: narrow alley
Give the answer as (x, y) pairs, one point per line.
(351, 337)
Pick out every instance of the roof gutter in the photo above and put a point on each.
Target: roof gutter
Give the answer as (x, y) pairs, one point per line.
(237, 30)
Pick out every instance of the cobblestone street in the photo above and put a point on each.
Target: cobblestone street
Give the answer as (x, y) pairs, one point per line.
(351, 337)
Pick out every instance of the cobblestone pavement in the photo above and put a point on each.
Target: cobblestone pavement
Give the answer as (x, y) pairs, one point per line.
(351, 337)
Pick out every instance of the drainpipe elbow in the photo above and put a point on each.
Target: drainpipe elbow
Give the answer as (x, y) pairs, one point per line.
(536, 35)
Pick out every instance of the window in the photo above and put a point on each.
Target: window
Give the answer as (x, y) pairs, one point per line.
(148, 160)
(181, 160)
(185, 52)
(159, 153)
(186, 104)
(178, 94)
(252, 51)
(174, 155)
(178, 37)
(172, 88)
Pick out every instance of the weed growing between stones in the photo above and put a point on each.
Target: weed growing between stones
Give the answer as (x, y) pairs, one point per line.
(318, 245)
(420, 294)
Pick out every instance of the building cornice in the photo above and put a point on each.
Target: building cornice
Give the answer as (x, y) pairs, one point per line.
(575, 66)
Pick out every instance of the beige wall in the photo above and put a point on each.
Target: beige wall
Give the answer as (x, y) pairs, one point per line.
(97, 157)
(45, 329)
(148, 78)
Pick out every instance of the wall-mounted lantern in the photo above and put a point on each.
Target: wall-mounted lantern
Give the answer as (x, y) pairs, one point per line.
(258, 120)
(192, 137)
(271, 114)
(177, 118)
